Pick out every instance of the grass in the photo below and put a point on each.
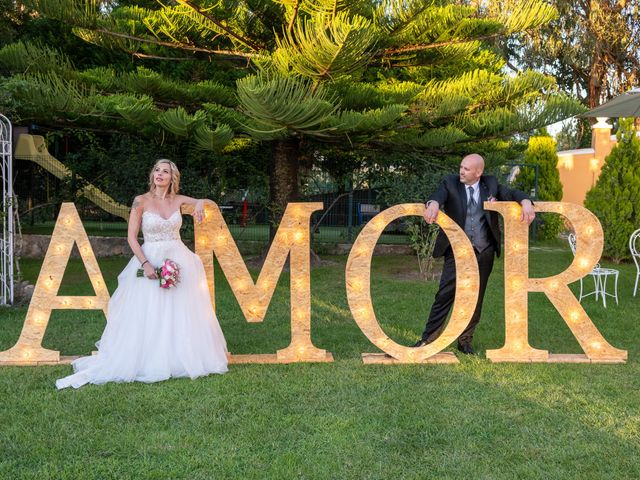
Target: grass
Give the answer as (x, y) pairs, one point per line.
(337, 420)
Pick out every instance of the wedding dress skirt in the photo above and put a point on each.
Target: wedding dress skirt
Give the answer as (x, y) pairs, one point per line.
(153, 333)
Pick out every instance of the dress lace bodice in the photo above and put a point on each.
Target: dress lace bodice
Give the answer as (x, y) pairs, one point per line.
(155, 228)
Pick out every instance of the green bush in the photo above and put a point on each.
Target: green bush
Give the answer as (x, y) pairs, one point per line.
(542, 152)
(403, 187)
(615, 199)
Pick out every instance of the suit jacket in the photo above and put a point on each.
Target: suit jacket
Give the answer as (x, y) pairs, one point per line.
(451, 195)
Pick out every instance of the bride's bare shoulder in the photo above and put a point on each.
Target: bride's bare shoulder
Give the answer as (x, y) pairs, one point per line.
(140, 200)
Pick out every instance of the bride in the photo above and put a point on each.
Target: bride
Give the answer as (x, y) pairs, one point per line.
(155, 333)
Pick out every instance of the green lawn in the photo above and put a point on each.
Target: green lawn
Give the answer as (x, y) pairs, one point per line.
(338, 420)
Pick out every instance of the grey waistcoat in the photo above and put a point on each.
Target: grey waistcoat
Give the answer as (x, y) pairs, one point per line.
(476, 227)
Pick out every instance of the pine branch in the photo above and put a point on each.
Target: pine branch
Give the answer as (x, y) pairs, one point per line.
(294, 16)
(177, 45)
(428, 46)
(157, 57)
(245, 41)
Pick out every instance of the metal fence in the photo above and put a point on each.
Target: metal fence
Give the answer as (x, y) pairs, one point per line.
(341, 219)
(343, 216)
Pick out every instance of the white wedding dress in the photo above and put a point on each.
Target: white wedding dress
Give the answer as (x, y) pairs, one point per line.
(153, 333)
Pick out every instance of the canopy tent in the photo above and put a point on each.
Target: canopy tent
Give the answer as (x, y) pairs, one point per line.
(625, 105)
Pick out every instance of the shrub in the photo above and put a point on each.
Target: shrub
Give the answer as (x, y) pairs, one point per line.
(615, 199)
(542, 152)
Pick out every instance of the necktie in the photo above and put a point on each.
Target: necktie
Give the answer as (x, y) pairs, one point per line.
(472, 200)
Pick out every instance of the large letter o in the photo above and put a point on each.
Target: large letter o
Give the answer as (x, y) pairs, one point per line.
(358, 281)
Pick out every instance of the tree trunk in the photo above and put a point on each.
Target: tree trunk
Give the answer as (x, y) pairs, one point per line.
(283, 181)
(596, 73)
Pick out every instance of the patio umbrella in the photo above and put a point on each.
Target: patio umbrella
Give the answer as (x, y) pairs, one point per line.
(625, 105)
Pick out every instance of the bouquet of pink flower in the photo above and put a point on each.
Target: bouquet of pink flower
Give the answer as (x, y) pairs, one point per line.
(168, 273)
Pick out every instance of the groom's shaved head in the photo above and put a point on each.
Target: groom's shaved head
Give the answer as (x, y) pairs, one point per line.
(471, 168)
(477, 160)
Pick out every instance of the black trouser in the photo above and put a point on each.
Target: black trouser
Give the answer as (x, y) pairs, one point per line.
(447, 292)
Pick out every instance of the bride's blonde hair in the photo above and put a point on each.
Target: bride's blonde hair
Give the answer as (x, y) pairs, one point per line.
(174, 186)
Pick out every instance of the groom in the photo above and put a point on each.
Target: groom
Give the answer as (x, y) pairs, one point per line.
(461, 197)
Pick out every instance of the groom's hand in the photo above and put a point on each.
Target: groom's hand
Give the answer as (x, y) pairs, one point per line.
(528, 213)
(431, 213)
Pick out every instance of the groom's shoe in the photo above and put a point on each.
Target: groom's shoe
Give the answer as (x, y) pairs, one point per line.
(420, 343)
(466, 348)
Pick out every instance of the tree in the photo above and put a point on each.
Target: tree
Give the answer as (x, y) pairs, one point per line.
(541, 151)
(383, 75)
(615, 198)
(591, 47)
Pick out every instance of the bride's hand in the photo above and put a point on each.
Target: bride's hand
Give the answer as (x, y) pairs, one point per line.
(150, 272)
(198, 211)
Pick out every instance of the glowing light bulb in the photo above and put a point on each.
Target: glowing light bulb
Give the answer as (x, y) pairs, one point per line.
(574, 315)
(514, 211)
(583, 262)
(27, 353)
(298, 236)
(300, 284)
(379, 222)
(356, 286)
(596, 345)
(589, 230)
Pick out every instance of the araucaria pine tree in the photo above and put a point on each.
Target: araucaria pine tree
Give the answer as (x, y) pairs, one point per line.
(615, 199)
(361, 74)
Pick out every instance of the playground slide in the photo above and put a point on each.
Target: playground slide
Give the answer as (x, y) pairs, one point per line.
(32, 147)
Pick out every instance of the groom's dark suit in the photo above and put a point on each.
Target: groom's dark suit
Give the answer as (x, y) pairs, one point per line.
(484, 233)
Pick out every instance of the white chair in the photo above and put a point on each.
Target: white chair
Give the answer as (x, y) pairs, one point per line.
(635, 254)
(600, 276)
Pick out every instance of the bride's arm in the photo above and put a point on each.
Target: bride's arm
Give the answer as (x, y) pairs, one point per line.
(198, 203)
(135, 219)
